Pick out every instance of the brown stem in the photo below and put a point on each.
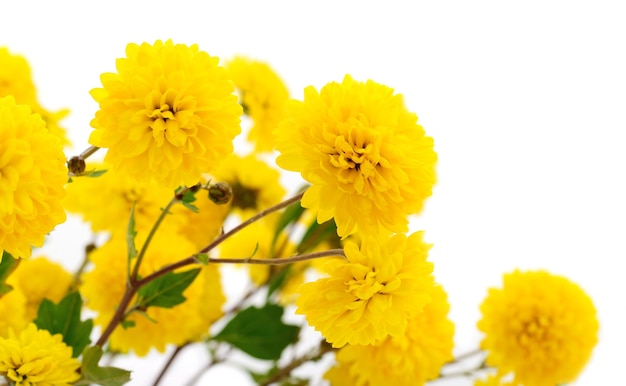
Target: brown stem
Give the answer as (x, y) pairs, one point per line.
(89, 151)
(119, 314)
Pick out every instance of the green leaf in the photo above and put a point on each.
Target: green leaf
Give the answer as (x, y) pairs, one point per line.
(126, 324)
(92, 373)
(166, 291)
(289, 216)
(7, 265)
(202, 258)
(317, 234)
(131, 233)
(64, 319)
(259, 332)
(278, 280)
(187, 199)
(94, 173)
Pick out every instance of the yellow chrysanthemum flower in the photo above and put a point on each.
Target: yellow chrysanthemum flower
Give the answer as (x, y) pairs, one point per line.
(255, 184)
(371, 294)
(410, 359)
(32, 179)
(52, 282)
(104, 286)
(13, 311)
(16, 80)
(369, 163)
(35, 358)
(539, 326)
(263, 96)
(169, 112)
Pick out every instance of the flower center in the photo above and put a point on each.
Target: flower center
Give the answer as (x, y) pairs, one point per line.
(171, 115)
(535, 330)
(365, 288)
(244, 197)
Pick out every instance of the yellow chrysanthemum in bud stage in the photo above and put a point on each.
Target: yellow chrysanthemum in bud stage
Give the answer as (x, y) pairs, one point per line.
(539, 326)
(52, 282)
(410, 359)
(13, 312)
(35, 358)
(16, 80)
(369, 163)
(104, 286)
(32, 179)
(169, 113)
(263, 96)
(371, 294)
(255, 184)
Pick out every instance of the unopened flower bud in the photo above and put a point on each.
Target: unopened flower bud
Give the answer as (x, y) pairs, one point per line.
(220, 193)
(76, 165)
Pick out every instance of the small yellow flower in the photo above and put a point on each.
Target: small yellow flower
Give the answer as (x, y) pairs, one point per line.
(104, 286)
(373, 293)
(35, 358)
(263, 96)
(369, 163)
(170, 113)
(539, 326)
(16, 80)
(32, 179)
(52, 282)
(410, 359)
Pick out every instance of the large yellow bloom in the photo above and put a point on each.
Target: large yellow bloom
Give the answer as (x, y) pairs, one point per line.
(263, 96)
(13, 311)
(104, 286)
(40, 279)
(16, 80)
(369, 162)
(373, 293)
(32, 176)
(410, 359)
(170, 112)
(540, 326)
(35, 358)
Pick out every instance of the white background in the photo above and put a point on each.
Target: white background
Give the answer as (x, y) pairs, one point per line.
(525, 102)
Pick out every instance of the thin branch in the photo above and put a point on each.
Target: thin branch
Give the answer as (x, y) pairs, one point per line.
(88, 152)
(282, 261)
(297, 362)
(169, 363)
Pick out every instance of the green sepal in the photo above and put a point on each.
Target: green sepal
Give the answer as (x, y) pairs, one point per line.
(166, 291)
(7, 266)
(94, 173)
(64, 318)
(259, 332)
(92, 373)
(187, 199)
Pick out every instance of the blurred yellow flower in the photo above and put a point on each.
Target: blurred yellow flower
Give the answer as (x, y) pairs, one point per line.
(373, 293)
(39, 279)
(35, 358)
(255, 184)
(263, 96)
(32, 179)
(410, 359)
(104, 286)
(13, 311)
(16, 80)
(369, 163)
(169, 113)
(539, 326)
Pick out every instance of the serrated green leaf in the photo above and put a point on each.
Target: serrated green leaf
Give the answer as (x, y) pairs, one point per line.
(202, 258)
(92, 373)
(64, 319)
(7, 265)
(94, 173)
(166, 291)
(259, 332)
